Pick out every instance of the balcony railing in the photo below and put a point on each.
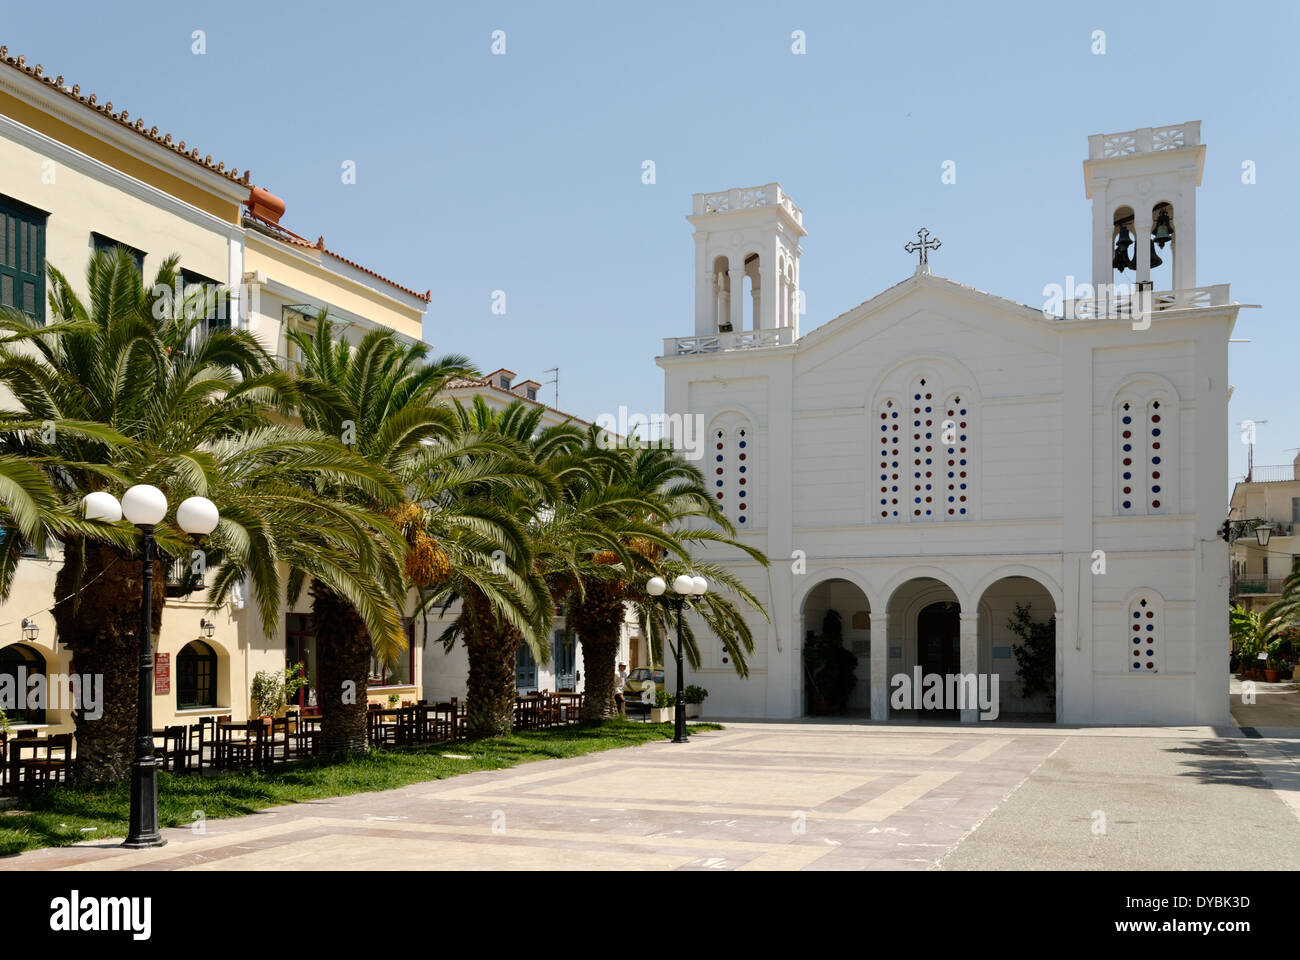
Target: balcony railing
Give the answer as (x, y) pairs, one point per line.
(1104, 146)
(1256, 585)
(725, 342)
(1129, 306)
(745, 198)
(1273, 473)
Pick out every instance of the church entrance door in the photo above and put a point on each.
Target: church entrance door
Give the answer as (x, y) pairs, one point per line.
(938, 639)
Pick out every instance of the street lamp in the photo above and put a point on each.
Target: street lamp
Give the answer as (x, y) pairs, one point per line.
(1232, 530)
(207, 626)
(145, 506)
(30, 630)
(684, 588)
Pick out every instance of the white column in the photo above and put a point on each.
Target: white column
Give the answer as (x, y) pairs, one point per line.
(737, 275)
(969, 624)
(758, 304)
(722, 309)
(879, 666)
(1183, 246)
(1142, 244)
(705, 298)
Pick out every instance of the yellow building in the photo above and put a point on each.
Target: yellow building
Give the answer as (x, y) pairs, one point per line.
(79, 174)
(1270, 494)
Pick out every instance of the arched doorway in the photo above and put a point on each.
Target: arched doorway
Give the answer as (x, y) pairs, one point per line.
(1017, 644)
(925, 628)
(18, 664)
(835, 652)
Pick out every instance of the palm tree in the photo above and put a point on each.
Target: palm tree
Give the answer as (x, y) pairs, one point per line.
(493, 503)
(379, 399)
(192, 411)
(664, 494)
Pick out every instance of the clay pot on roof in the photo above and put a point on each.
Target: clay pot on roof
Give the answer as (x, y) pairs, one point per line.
(265, 204)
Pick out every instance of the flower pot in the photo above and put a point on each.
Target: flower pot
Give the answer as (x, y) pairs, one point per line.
(663, 714)
(1270, 676)
(692, 711)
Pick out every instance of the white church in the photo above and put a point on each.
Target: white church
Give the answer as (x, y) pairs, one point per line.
(927, 460)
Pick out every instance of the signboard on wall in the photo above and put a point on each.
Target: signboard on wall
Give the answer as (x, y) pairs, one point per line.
(162, 673)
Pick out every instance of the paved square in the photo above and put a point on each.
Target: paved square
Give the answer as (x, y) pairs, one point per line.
(794, 796)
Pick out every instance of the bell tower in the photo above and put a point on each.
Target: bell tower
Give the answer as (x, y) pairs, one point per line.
(746, 260)
(1142, 184)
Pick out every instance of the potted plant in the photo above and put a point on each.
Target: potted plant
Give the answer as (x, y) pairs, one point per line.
(392, 701)
(1271, 670)
(271, 691)
(664, 710)
(829, 669)
(693, 696)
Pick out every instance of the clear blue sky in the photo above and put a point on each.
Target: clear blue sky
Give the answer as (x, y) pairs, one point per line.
(523, 172)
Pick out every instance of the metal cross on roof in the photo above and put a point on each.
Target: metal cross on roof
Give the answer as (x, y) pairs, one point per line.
(922, 245)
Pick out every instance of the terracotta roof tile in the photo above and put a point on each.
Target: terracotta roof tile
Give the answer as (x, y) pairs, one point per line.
(91, 102)
(286, 235)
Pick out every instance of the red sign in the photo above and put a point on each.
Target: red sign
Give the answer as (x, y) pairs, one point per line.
(162, 673)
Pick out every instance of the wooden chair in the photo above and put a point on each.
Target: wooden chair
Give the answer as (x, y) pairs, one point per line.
(197, 737)
(278, 740)
(50, 766)
(174, 754)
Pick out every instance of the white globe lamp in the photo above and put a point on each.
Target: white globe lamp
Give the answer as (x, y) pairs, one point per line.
(101, 506)
(701, 586)
(684, 585)
(197, 515)
(655, 586)
(144, 505)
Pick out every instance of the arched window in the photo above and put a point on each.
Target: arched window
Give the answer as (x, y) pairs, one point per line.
(890, 458)
(923, 433)
(1145, 632)
(18, 664)
(955, 436)
(1146, 460)
(731, 468)
(924, 454)
(196, 676)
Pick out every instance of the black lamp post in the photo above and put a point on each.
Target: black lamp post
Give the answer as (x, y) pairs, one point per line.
(146, 506)
(684, 588)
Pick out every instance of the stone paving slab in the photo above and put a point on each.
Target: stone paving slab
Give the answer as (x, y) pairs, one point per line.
(785, 796)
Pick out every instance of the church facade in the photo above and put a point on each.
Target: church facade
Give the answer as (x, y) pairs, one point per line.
(937, 457)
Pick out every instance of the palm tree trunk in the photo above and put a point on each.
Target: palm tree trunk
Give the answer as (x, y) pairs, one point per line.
(490, 646)
(598, 653)
(101, 626)
(343, 668)
(597, 617)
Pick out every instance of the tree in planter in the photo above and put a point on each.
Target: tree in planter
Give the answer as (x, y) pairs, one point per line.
(829, 668)
(1035, 654)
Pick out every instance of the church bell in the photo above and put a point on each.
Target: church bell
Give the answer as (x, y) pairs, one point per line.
(1122, 260)
(1164, 229)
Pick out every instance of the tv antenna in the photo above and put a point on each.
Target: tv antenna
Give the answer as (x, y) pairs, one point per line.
(555, 380)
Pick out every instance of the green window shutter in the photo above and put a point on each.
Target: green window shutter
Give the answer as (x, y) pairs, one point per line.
(215, 305)
(22, 257)
(105, 244)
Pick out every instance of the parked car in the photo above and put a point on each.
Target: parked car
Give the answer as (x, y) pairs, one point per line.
(642, 683)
